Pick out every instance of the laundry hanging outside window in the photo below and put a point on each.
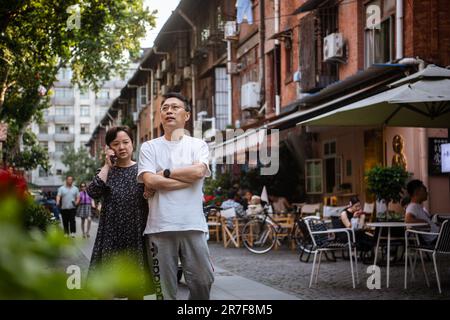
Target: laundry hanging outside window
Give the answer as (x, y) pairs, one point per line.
(244, 11)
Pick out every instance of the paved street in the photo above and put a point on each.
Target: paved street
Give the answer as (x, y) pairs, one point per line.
(240, 274)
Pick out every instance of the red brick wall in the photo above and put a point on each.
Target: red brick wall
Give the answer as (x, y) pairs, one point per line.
(431, 30)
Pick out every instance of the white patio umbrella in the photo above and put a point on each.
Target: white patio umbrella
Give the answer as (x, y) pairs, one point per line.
(420, 100)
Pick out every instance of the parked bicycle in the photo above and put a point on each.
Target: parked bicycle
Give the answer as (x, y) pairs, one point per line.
(261, 232)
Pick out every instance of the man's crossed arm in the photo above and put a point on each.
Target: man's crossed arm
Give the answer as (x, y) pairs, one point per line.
(180, 178)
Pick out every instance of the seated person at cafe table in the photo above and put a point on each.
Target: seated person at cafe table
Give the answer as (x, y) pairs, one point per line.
(280, 204)
(353, 218)
(416, 213)
(232, 203)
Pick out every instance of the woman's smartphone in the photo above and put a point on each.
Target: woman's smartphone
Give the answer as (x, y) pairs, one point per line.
(113, 159)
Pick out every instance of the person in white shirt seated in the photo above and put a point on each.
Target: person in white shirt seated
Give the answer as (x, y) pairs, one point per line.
(255, 206)
(416, 213)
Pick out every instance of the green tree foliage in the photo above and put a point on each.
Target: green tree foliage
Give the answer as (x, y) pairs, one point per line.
(387, 183)
(38, 37)
(31, 155)
(81, 166)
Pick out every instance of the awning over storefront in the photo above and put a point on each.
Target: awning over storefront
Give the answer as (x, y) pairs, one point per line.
(420, 100)
(250, 139)
(310, 5)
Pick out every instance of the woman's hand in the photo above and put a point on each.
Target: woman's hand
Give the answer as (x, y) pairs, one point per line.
(108, 154)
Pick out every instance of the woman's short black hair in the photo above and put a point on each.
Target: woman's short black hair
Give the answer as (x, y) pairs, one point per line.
(111, 134)
(179, 96)
(354, 200)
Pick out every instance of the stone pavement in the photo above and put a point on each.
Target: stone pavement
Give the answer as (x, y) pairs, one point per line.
(227, 286)
(242, 275)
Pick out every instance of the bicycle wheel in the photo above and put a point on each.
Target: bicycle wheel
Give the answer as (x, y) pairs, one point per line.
(302, 239)
(258, 236)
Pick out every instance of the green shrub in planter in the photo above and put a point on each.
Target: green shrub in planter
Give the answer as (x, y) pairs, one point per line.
(36, 216)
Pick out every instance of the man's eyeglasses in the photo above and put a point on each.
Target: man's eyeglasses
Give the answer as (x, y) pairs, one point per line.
(175, 108)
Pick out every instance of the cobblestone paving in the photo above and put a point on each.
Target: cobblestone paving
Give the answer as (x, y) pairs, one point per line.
(282, 270)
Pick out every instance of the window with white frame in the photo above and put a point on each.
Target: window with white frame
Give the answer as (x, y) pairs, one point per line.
(64, 129)
(84, 94)
(43, 128)
(64, 74)
(314, 176)
(63, 110)
(84, 128)
(44, 145)
(103, 94)
(143, 95)
(85, 111)
(379, 32)
(63, 93)
(62, 146)
(42, 173)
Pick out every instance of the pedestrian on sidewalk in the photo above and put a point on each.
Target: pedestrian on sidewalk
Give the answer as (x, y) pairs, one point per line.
(124, 209)
(66, 199)
(175, 166)
(84, 210)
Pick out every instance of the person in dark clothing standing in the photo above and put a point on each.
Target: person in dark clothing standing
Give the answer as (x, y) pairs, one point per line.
(124, 209)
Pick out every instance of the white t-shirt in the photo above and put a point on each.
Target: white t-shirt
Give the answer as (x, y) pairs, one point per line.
(178, 210)
(419, 212)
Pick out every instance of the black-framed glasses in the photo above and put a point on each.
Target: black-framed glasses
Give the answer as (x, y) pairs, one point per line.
(175, 108)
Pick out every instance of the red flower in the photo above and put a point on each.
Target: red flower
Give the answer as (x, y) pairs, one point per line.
(12, 183)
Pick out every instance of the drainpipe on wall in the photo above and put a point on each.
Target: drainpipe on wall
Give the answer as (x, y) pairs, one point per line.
(194, 30)
(399, 30)
(229, 86)
(277, 44)
(152, 102)
(262, 69)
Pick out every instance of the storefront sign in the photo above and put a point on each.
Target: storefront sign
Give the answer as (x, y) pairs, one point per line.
(435, 165)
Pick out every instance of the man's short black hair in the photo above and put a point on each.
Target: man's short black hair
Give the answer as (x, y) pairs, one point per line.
(179, 96)
(413, 186)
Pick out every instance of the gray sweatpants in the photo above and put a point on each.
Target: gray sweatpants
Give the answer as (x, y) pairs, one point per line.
(192, 249)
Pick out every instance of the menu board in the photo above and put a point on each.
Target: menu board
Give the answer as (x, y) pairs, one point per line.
(435, 155)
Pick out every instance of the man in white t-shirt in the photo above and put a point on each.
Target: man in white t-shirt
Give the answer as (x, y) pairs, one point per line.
(416, 213)
(174, 166)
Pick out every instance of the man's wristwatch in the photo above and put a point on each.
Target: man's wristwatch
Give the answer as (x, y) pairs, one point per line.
(166, 173)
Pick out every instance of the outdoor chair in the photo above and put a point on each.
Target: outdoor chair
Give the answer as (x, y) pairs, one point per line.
(322, 239)
(442, 246)
(310, 209)
(230, 229)
(214, 225)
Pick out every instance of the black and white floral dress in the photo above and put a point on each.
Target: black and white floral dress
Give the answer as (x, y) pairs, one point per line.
(122, 219)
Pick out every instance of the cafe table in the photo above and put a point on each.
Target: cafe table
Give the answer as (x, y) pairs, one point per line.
(389, 225)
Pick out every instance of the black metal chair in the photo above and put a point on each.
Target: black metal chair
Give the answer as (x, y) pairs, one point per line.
(442, 246)
(323, 241)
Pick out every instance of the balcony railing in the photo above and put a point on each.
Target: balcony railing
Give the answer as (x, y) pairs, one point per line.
(64, 137)
(64, 119)
(70, 101)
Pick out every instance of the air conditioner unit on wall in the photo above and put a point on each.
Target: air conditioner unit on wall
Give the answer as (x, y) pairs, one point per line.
(250, 95)
(333, 47)
(233, 67)
(187, 72)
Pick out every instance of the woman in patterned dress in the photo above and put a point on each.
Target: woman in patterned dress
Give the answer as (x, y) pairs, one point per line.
(84, 211)
(124, 210)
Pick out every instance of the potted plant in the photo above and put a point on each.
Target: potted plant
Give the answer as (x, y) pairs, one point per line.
(387, 184)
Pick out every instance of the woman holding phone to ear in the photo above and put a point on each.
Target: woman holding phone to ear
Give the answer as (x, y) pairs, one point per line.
(124, 209)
